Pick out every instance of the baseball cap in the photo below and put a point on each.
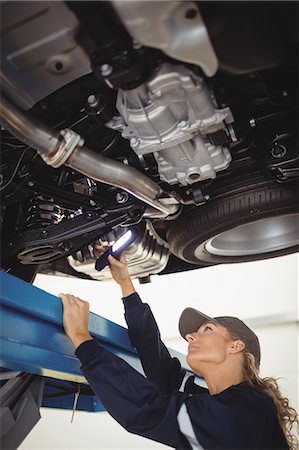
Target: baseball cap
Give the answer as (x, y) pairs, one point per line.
(191, 320)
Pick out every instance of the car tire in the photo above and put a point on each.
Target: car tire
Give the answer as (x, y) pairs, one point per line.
(239, 225)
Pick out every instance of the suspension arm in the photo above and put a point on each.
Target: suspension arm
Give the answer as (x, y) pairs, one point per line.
(56, 241)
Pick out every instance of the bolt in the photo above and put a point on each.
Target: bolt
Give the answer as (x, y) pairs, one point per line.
(278, 151)
(106, 70)
(122, 197)
(92, 101)
(30, 183)
(183, 125)
(66, 246)
(88, 215)
(124, 56)
(252, 123)
(44, 233)
(206, 197)
(191, 13)
(92, 203)
(134, 142)
(58, 66)
(284, 93)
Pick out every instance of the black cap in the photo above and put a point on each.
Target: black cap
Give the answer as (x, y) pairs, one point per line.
(191, 320)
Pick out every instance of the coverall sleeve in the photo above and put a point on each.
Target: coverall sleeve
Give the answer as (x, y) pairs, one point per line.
(240, 417)
(132, 400)
(163, 370)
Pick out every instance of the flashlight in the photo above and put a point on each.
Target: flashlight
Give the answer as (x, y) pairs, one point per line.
(117, 248)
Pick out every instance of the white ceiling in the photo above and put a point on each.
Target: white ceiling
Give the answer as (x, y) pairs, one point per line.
(260, 291)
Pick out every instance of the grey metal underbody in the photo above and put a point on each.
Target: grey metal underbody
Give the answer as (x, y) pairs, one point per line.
(147, 255)
(40, 53)
(175, 27)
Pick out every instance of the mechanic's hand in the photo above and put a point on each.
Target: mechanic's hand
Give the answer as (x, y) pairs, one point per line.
(119, 268)
(120, 274)
(100, 247)
(75, 319)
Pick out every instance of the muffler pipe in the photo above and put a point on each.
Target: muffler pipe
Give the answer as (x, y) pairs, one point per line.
(27, 129)
(66, 147)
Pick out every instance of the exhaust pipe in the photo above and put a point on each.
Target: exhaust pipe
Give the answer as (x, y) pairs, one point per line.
(28, 129)
(66, 148)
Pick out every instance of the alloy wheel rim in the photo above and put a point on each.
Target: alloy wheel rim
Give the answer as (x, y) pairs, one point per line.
(261, 236)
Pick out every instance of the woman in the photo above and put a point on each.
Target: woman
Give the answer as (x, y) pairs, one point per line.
(239, 410)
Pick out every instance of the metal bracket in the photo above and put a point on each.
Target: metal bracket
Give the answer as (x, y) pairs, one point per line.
(176, 28)
(70, 140)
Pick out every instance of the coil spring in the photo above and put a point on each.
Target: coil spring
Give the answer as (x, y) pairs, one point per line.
(42, 212)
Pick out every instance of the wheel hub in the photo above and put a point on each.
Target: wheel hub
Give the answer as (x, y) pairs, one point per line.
(262, 236)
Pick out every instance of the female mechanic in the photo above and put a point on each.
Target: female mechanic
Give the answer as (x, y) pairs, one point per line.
(239, 410)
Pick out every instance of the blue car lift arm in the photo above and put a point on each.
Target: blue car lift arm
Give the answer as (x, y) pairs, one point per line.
(33, 338)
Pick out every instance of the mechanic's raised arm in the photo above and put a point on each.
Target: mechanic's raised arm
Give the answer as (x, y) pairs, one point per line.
(159, 367)
(134, 401)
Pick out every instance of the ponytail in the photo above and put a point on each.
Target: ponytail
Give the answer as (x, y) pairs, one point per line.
(287, 415)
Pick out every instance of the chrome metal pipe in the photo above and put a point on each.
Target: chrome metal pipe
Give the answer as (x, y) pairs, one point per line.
(27, 129)
(112, 172)
(50, 144)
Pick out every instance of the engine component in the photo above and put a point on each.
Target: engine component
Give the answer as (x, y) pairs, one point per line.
(148, 254)
(114, 58)
(171, 116)
(176, 28)
(85, 186)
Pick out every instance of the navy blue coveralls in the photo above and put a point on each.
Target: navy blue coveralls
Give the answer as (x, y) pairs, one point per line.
(168, 406)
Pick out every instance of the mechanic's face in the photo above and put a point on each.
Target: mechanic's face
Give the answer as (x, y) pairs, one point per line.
(209, 344)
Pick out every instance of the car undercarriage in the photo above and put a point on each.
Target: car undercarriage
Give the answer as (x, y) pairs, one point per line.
(177, 119)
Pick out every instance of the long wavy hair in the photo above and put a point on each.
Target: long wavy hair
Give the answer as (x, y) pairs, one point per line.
(287, 415)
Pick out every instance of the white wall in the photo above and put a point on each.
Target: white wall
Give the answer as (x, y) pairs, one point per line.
(263, 293)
